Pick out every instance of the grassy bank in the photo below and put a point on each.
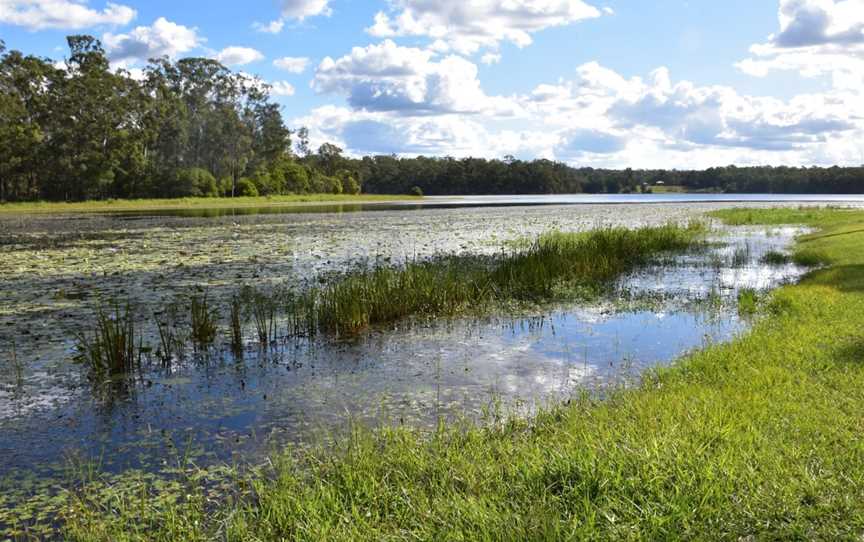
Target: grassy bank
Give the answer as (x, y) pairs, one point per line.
(190, 203)
(757, 439)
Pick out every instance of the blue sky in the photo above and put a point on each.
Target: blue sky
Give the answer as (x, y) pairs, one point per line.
(612, 83)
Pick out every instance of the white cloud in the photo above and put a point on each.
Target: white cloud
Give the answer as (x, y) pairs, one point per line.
(598, 118)
(144, 42)
(238, 56)
(282, 88)
(407, 80)
(467, 27)
(292, 64)
(301, 9)
(491, 58)
(63, 14)
(816, 38)
(273, 27)
(373, 132)
(298, 10)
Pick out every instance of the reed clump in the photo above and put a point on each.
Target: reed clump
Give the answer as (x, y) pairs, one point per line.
(111, 349)
(554, 263)
(203, 319)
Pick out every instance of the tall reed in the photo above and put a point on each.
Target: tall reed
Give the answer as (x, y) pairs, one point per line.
(203, 319)
(111, 349)
(237, 325)
(554, 264)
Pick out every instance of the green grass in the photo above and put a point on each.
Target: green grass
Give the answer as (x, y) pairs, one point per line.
(554, 265)
(190, 203)
(758, 439)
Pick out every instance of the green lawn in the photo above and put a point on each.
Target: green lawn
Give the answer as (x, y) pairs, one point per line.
(762, 438)
(190, 203)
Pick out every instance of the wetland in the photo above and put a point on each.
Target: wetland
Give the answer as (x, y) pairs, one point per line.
(234, 381)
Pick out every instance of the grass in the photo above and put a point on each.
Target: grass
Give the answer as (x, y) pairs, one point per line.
(773, 257)
(748, 302)
(556, 264)
(111, 349)
(190, 203)
(757, 439)
(203, 319)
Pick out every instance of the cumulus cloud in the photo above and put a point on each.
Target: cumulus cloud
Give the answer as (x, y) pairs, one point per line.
(163, 37)
(491, 58)
(375, 132)
(292, 64)
(63, 14)
(297, 10)
(467, 27)
(598, 118)
(816, 37)
(281, 88)
(238, 56)
(407, 80)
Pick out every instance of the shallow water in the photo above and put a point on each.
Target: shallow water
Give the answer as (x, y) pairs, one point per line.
(217, 408)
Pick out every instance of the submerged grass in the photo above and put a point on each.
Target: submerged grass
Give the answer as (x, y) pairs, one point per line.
(757, 439)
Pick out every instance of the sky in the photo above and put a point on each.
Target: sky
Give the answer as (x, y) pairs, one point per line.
(602, 83)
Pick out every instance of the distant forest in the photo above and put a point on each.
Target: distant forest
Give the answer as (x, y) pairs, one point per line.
(78, 130)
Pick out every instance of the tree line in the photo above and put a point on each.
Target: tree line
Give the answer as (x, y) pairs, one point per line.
(80, 130)
(444, 176)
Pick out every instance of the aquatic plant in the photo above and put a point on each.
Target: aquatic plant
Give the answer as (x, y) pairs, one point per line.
(203, 320)
(236, 317)
(810, 258)
(721, 446)
(773, 257)
(171, 340)
(263, 309)
(554, 265)
(17, 366)
(741, 256)
(111, 349)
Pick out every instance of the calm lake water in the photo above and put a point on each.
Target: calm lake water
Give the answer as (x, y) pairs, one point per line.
(455, 202)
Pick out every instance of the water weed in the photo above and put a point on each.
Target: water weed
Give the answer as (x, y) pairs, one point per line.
(111, 349)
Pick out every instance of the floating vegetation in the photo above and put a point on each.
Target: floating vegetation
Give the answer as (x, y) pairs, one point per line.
(111, 350)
